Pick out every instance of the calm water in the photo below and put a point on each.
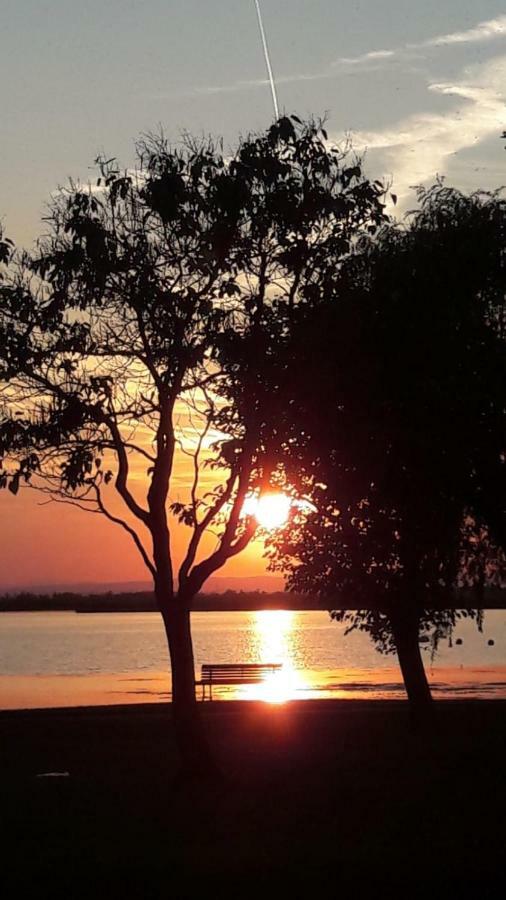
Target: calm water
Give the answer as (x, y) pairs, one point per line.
(67, 659)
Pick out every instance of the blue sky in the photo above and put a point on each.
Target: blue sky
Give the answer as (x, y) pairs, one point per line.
(421, 86)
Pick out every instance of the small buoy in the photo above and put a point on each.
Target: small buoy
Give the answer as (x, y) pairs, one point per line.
(490, 642)
(459, 641)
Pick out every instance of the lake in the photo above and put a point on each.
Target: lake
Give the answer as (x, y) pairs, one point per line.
(67, 659)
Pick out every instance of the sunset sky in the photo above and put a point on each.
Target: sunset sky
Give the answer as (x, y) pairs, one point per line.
(420, 86)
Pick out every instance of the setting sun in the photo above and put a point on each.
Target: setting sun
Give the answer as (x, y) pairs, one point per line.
(270, 510)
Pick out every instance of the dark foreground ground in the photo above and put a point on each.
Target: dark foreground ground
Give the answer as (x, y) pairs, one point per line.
(320, 799)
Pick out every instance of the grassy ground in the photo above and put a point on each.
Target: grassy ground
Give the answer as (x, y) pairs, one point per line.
(326, 798)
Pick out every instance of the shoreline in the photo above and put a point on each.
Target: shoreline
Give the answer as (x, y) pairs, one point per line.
(237, 706)
(151, 686)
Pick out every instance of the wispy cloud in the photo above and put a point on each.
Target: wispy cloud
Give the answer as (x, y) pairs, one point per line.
(489, 30)
(369, 61)
(484, 31)
(372, 56)
(235, 86)
(419, 147)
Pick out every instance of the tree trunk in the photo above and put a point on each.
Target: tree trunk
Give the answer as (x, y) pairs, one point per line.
(197, 760)
(405, 629)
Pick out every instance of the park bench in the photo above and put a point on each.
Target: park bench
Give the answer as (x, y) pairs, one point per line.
(233, 673)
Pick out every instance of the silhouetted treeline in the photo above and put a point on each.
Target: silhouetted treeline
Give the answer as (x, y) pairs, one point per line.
(227, 601)
(144, 601)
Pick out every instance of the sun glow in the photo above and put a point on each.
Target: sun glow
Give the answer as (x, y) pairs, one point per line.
(270, 510)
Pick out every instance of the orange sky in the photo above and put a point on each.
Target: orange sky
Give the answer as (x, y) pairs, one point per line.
(54, 543)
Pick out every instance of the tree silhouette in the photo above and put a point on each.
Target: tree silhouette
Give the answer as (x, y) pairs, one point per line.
(140, 329)
(399, 435)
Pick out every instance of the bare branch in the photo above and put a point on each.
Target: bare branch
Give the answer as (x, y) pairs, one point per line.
(133, 534)
(230, 545)
(201, 527)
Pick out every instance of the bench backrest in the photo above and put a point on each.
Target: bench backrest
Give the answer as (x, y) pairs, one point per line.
(234, 673)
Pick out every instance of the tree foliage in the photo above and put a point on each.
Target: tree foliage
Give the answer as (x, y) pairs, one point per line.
(399, 436)
(141, 327)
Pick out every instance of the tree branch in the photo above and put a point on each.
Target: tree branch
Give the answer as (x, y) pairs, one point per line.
(227, 548)
(121, 482)
(133, 534)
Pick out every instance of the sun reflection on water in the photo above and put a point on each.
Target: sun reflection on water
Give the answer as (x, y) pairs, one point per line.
(273, 639)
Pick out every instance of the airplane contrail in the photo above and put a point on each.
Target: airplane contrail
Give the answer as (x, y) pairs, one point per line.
(267, 60)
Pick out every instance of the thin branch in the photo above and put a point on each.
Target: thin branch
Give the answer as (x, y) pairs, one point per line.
(225, 551)
(74, 503)
(229, 546)
(133, 534)
(203, 526)
(196, 455)
(129, 446)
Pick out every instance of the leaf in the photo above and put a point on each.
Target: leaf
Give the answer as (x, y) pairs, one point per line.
(14, 484)
(394, 198)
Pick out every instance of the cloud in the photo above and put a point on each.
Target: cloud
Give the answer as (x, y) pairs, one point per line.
(429, 133)
(365, 60)
(418, 147)
(369, 61)
(484, 31)
(373, 59)
(491, 29)
(372, 56)
(235, 86)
